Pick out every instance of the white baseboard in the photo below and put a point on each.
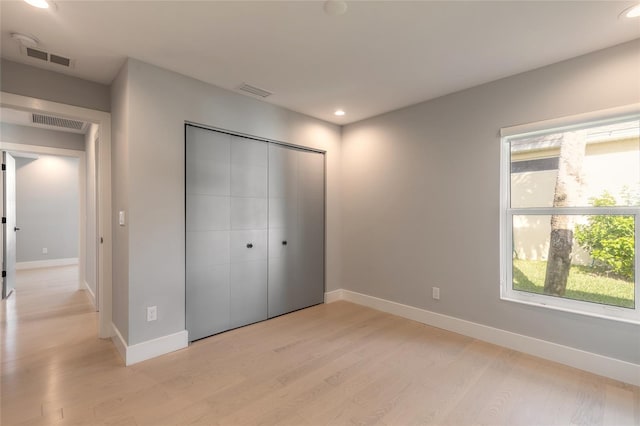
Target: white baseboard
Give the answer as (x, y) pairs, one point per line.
(598, 364)
(92, 296)
(149, 349)
(119, 343)
(49, 263)
(333, 296)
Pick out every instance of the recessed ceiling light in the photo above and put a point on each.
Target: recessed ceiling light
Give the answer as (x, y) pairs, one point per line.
(632, 12)
(335, 7)
(339, 113)
(40, 4)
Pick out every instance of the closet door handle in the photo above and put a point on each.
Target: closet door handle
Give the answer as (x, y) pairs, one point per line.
(16, 228)
(249, 245)
(284, 243)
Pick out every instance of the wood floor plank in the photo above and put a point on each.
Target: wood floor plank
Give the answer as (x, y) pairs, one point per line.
(336, 364)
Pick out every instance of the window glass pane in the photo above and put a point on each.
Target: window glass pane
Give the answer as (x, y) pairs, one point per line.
(574, 168)
(589, 258)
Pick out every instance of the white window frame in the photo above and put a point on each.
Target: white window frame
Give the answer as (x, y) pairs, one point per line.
(507, 292)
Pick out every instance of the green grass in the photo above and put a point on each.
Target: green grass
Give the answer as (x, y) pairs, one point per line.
(583, 284)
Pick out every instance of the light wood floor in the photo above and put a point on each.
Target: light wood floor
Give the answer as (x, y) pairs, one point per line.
(331, 364)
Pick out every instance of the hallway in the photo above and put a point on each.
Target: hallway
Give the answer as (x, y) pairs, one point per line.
(49, 340)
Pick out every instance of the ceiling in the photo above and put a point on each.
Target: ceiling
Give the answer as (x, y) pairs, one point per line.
(377, 57)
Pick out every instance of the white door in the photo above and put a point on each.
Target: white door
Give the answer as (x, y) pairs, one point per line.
(9, 227)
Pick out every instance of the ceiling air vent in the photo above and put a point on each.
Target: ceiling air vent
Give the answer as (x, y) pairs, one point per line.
(48, 120)
(47, 57)
(244, 87)
(60, 60)
(38, 54)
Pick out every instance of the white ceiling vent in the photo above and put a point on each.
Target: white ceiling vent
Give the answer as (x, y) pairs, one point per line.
(60, 60)
(38, 54)
(64, 123)
(47, 57)
(244, 87)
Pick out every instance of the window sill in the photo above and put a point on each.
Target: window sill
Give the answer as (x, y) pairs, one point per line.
(598, 311)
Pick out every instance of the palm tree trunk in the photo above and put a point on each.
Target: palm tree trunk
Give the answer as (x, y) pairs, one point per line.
(568, 193)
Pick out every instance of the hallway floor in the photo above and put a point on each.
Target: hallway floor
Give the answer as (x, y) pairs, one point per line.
(49, 340)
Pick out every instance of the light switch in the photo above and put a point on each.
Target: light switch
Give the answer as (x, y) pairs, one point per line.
(121, 218)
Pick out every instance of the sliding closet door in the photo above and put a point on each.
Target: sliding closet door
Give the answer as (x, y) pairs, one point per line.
(296, 229)
(248, 281)
(208, 225)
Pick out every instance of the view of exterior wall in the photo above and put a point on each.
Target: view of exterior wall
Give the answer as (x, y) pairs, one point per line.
(608, 166)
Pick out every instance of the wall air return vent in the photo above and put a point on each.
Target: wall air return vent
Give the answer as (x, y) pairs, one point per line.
(38, 54)
(244, 87)
(65, 123)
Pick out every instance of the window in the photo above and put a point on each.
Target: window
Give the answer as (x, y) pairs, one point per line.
(570, 218)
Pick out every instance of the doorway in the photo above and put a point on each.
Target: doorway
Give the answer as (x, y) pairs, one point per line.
(42, 209)
(94, 239)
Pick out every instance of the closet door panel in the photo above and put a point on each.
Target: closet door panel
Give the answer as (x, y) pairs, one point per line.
(208, 164)
(248, 213)
(207, 302)
(207, 248)
(208, 213)
(283, 284)
(249, 152)
(207, 242)
(284, 274)
(284, 244)
(283, 212)
(283, 232)
(311, 218)
(248, 293)
(249, 161)
(248, 181)
(248, 246)
(283, 172)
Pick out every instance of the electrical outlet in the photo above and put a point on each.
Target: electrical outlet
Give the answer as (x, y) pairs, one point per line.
(435, 293)
(152, 313)
(45, 250)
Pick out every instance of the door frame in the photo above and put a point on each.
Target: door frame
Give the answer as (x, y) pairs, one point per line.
(8, 274)
(103, 120)
(16, 149)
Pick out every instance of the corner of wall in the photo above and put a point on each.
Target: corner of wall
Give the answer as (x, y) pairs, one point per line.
(149, 349)
(120, 195)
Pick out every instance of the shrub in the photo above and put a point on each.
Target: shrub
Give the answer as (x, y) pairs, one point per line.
(609, 239)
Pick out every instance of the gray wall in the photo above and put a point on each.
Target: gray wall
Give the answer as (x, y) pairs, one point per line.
(14, 133)
(421, 193)
(149, 150)
(47, 208)
(26, 80)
